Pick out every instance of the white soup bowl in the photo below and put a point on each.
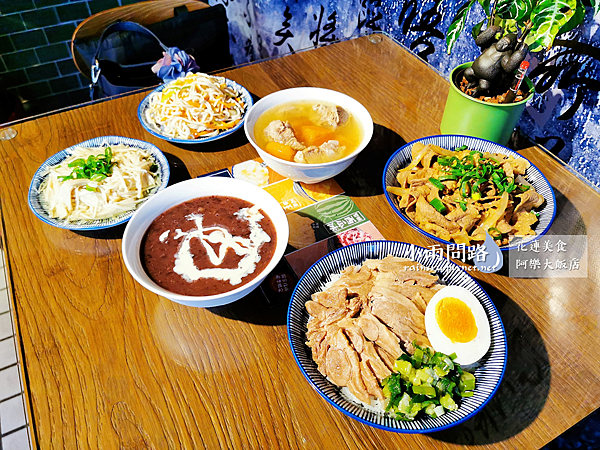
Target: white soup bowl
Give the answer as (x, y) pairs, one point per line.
(309, 173)
(188, 190)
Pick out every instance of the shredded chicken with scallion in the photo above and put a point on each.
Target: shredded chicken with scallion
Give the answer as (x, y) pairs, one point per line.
(98, 183)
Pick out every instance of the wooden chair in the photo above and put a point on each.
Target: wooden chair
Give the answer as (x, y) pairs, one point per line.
(144, 13)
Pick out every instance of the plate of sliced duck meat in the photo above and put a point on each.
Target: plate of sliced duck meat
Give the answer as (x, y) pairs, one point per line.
(397, 337)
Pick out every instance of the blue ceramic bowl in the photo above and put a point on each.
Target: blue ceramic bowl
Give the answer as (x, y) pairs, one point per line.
(488, 373)
(88, 225)
(153, 130)
(402, 157)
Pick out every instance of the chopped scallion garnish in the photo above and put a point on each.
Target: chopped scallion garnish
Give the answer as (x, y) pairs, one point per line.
(438, 205)
(438, 184)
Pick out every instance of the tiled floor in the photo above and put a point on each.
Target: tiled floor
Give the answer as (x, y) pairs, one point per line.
(14, 431)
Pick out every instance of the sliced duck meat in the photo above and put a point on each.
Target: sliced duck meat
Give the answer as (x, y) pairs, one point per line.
(388, 280)
(333, 304)
(399, 317)
(358, 282)
(343, 366)
(334, 297)
(388, 359)
(371, 380)
(364, 348)
(399, 306)
(377, 332)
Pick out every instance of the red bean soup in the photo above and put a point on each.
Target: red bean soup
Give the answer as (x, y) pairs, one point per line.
(208, 245)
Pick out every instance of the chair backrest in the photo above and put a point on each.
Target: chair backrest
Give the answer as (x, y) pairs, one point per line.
(144, 13)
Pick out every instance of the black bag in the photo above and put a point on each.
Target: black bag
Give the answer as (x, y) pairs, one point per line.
(124, 59)
(121, 60)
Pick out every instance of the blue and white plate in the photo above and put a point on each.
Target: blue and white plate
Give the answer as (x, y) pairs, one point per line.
(488, 373)
(402, 157)
(87, 225)
(153, 129)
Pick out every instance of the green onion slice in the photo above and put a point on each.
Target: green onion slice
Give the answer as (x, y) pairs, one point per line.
(495, 233)
(438, 205)
(447, 177)
(438, 184)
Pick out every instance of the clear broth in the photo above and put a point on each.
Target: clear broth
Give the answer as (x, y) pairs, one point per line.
(301, 114)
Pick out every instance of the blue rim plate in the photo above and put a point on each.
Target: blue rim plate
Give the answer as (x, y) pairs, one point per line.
(156, 132)
(489, 371)
(88, 225)
(402, 157)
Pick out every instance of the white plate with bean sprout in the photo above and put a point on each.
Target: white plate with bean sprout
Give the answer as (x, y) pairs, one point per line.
(195, 108)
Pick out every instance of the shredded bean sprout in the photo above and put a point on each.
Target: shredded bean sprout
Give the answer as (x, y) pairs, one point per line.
(195, 106)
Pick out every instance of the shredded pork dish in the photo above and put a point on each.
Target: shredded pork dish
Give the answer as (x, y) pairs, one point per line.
(195, 106)
(366, 320)
(460, 195)
(98, 183)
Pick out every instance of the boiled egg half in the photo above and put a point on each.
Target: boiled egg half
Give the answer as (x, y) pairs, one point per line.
(456, 322)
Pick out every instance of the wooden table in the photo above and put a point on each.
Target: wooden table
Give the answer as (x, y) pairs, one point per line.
(108, 364)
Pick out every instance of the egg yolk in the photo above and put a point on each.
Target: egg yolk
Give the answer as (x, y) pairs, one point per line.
(456, 320)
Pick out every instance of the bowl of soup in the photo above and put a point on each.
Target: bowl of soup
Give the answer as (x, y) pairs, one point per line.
(308, 134)
(206, 241)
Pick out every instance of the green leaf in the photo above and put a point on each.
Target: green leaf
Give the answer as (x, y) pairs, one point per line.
(518, 10)
(547, 18)
(576, 20)
(458, 24)
(485, 4)
(509, 26)
(477, 29)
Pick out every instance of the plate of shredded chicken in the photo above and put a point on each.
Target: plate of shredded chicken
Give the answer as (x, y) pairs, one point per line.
(98, 183)
(457, 189)
(195, 108)
(360, 310)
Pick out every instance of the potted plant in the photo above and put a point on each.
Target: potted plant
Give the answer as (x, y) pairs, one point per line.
(480, 102)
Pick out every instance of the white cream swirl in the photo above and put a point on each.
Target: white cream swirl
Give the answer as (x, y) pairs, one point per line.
(248, 248)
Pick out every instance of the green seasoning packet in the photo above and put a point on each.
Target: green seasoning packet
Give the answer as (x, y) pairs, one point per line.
(333, 216)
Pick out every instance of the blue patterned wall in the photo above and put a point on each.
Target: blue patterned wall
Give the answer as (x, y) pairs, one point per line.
(563, 116)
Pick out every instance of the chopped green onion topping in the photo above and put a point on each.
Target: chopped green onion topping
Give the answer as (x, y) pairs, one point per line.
(438, 205)
(438, 184)
(474, 171)
(495, 233)
(95, 168)
(428, 382)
